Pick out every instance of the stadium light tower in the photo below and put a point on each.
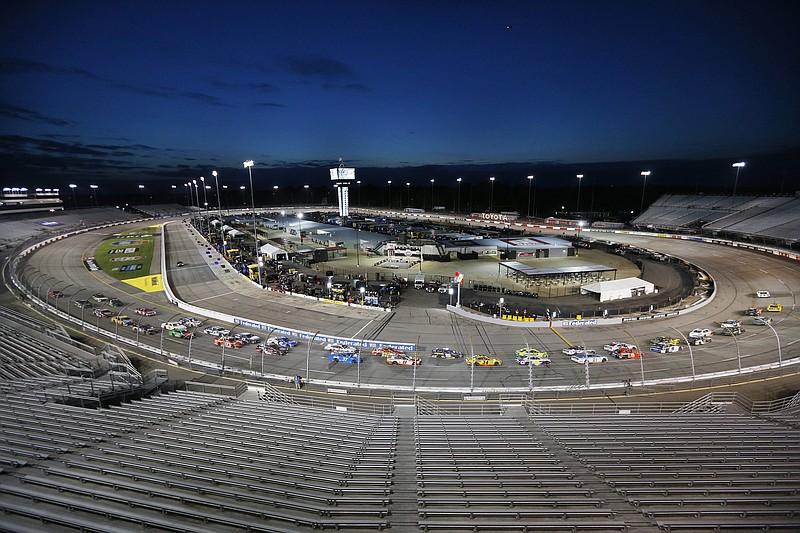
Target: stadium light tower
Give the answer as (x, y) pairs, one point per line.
(389, 193)
(408, 192)
(432, 202)
(94, 193)
(491, 196)
(249, 166)
(530, 182)
(458, 202)
(645, 173)
(578, 203)
(738, 166)
(219, 203)
(74, 200)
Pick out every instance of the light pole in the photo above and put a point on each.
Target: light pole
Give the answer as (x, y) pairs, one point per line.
(225, 188)
(249, 166)
(389, 193)
(738, 352)
(578, 203)
(306, 188)
(94, 193)
(432, 203)
(358, 243)
(645, 173)
(69, 303)
(219, 201)
(300, 225)
(275, 195)
(530, 181)
(197, 198)
(359, 192)
(491, 196)
(242, 188)
(738, 166)
(74, 199)
(691, 353)
(308, 354)
(39, 289)
(141, 193)
(458, 197)
(780, 356)
(408, 193)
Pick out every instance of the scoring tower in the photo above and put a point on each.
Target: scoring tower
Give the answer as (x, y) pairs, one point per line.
(341, 178)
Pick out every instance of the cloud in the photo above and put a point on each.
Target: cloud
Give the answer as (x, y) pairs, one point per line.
(15, 65)
(316, 67)
(21, 113)
(269, 104)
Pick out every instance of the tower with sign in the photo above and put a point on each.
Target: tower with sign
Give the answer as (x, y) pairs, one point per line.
(341, 178)
(459, 279)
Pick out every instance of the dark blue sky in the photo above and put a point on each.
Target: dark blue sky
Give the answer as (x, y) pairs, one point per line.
(149, 90)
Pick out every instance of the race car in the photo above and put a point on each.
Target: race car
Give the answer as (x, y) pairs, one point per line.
(614, 346)
(342, 357)
(699, 341)
(123, 320)
(341, 348)
(271, 349)
(189, 322)
(700, 332)
(754, 311)
(228, 342)
(774, 308)
(574, 349)
(284, 341)
(99, 297)
(732, 323)
(531, 360)
(55, 294)
(82, 303)
(730, 332)
(212, 330)
(116, 302)
(404, 360)
(387, 351)
(530, 352)
(627, 353)
(144, 328)
(762, 321)
(666, 340)
(247, 338)
(666, 348)
(180, 334)
(173, 325)
(102, 313)
(446, 353)
(144, 311)
(483, 360)
(592, 358)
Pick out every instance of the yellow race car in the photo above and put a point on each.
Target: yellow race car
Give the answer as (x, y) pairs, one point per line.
(483, 360)
(775, 308)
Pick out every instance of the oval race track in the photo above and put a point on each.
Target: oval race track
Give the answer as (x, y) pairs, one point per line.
(738, 274)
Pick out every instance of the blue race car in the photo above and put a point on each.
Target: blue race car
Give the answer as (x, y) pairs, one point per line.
(340, 357)
(285, 341)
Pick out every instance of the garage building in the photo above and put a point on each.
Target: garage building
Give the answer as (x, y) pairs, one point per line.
(619, 289)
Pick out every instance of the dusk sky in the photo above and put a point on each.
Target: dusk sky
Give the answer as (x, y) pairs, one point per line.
(166, 91)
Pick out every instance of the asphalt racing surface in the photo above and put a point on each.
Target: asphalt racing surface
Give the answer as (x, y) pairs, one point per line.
(738, 274)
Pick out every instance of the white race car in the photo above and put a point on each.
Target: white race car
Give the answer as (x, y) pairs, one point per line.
(589, 358)
(701, 332)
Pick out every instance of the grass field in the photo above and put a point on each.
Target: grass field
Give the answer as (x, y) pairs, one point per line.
(128, 254)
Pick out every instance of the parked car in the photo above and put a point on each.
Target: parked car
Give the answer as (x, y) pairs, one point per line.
(730, 332)
(405, 360)
(574, 349)
(173, 325)
(762, 321)
(116, 302)
(701, 332)
(180, 334)
(530, 352)
(446, 353)
(774, 308)
(754, 311)
(342, 357)
(228, 342)
(214, 330)
(443, 288)
(145, 311)
(763, 294)
(103, 313)
(99, 297)
(82, 303)
(483, 360)
(584, 358)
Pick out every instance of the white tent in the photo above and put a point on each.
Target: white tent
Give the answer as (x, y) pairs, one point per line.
(619, 289)
(235, 233)
(273, 252)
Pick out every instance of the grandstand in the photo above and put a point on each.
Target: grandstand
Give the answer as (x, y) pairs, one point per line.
(273, 462)
(773, 218)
